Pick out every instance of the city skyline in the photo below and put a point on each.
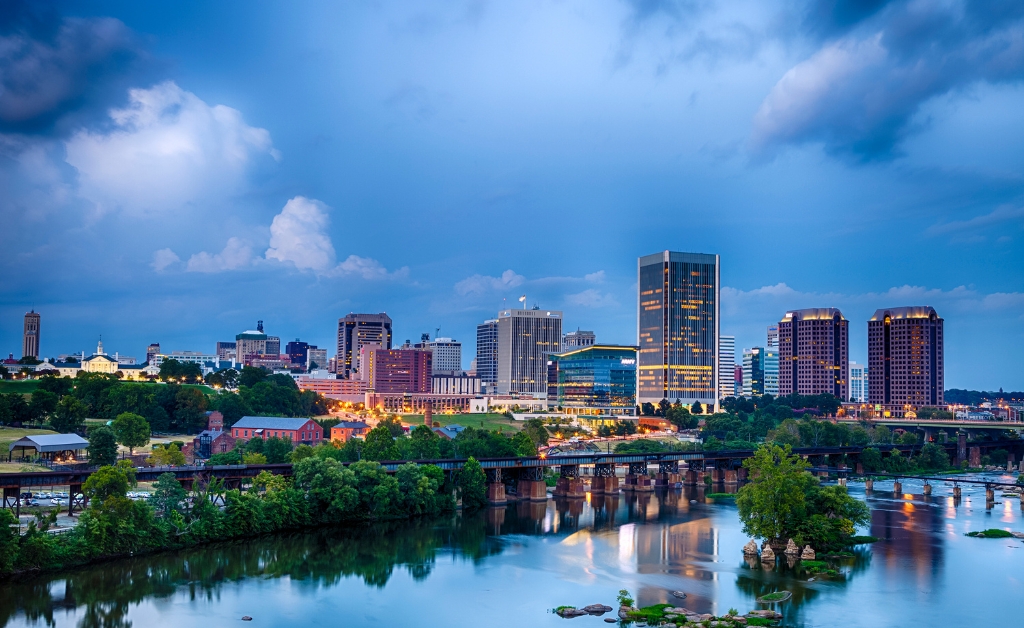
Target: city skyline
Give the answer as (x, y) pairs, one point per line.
(610, 123)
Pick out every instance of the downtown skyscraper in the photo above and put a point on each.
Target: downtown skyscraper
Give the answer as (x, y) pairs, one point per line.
(905, 358)
(525, 339)
(814, 353)
(678, 320)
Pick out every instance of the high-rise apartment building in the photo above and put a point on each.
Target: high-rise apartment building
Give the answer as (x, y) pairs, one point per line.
(30, 336)
(577, 339)
(771, 371)
(153, 350)
(447, 355)
(753, 372)
(814, 353)
(905, 357)
(858, 382)
(487, 352)
(678, 327)
(354, 332)
(726, 366)
(525, 338)
(773, 337)
(273, 346)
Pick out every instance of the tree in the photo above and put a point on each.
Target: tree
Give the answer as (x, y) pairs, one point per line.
(102, 447)
(534, 428)
(109, 481)
(933, 457)
(168, 496)
(394, 426)
(131, 430)
(254, 458)
(681, 418)
(696, 408)
(647, 409)
(43, 404)
(277, 450)
(772, 504)
(251, 375)
(472, 485)
(871, 459)
(190, 410)
(524, 445)
(167, 456)
(69, 416)
(424, 444)
(380, 444)
(663, 407)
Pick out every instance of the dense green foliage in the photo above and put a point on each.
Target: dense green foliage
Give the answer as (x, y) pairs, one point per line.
(930, 458)
(102, 446)
(321, 492)
(184, 372)
(64, 403)
(131, 430)
(784, 501)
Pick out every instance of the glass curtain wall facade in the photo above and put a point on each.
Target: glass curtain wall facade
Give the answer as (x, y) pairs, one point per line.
(678, 327)
(596, 380)
(487, 352)
(753, 372)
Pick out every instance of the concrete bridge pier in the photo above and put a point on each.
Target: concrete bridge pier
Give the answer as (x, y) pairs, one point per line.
(668, 474)
(956, 491)
(842, 481)
(741, 474)
(927, 488)
(637, 479)
(569, 483)
(531, 486)
(869, 484)
(897, 487)
(692, 477)
(731, 477)
(495, 488)
(990, 495)
(718, 475)
(605, 481)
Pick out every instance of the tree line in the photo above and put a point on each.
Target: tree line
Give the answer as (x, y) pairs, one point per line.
(64, 403)
(321, 492)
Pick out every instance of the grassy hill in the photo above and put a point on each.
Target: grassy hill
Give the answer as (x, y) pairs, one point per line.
(25, 386)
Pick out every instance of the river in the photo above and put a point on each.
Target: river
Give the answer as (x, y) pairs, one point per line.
(509, 567)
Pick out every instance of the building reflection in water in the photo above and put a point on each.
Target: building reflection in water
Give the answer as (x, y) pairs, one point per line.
(909, 528)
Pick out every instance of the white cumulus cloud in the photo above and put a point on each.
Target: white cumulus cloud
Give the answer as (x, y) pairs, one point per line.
(298, 235)
(237, 254)
(591, 298)
(164, 258)
(479, 284)
(167, 148)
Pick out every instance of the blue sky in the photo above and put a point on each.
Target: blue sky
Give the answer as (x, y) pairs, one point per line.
(172, 172)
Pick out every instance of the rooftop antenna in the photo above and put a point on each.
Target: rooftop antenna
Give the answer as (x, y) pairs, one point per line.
(522, 300)
(437, 330)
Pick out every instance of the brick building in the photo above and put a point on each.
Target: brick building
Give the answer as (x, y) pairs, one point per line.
(298, 430)
(905, 358)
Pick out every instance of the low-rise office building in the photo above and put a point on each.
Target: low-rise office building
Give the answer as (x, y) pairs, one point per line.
(593, 380)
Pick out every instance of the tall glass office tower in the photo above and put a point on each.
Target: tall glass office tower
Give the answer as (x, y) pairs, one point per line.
(678, 327)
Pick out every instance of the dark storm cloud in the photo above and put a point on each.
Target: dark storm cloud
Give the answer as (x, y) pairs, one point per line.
(859, 92)
(52, 66)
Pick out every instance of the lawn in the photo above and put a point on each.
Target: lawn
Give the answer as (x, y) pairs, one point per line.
(487, 421)
(24, 386)
(18, 467)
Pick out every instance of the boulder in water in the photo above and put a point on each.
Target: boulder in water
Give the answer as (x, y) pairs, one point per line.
(767, 553)
(808, 553)
(792, 548)
(750, 549)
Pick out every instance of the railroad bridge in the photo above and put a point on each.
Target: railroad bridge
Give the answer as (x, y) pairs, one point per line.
(523, 478)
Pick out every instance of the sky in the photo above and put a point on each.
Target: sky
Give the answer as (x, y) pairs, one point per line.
(173, 172)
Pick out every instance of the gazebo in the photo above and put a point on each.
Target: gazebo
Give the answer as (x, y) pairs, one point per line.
(49, 446)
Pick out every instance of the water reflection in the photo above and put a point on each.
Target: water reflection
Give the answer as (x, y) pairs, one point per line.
(544, 554)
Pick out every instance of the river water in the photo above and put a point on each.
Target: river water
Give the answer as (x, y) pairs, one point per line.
(508, 567)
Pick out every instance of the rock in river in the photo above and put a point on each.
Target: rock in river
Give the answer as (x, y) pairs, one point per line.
(597, 609)
(750, 549)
